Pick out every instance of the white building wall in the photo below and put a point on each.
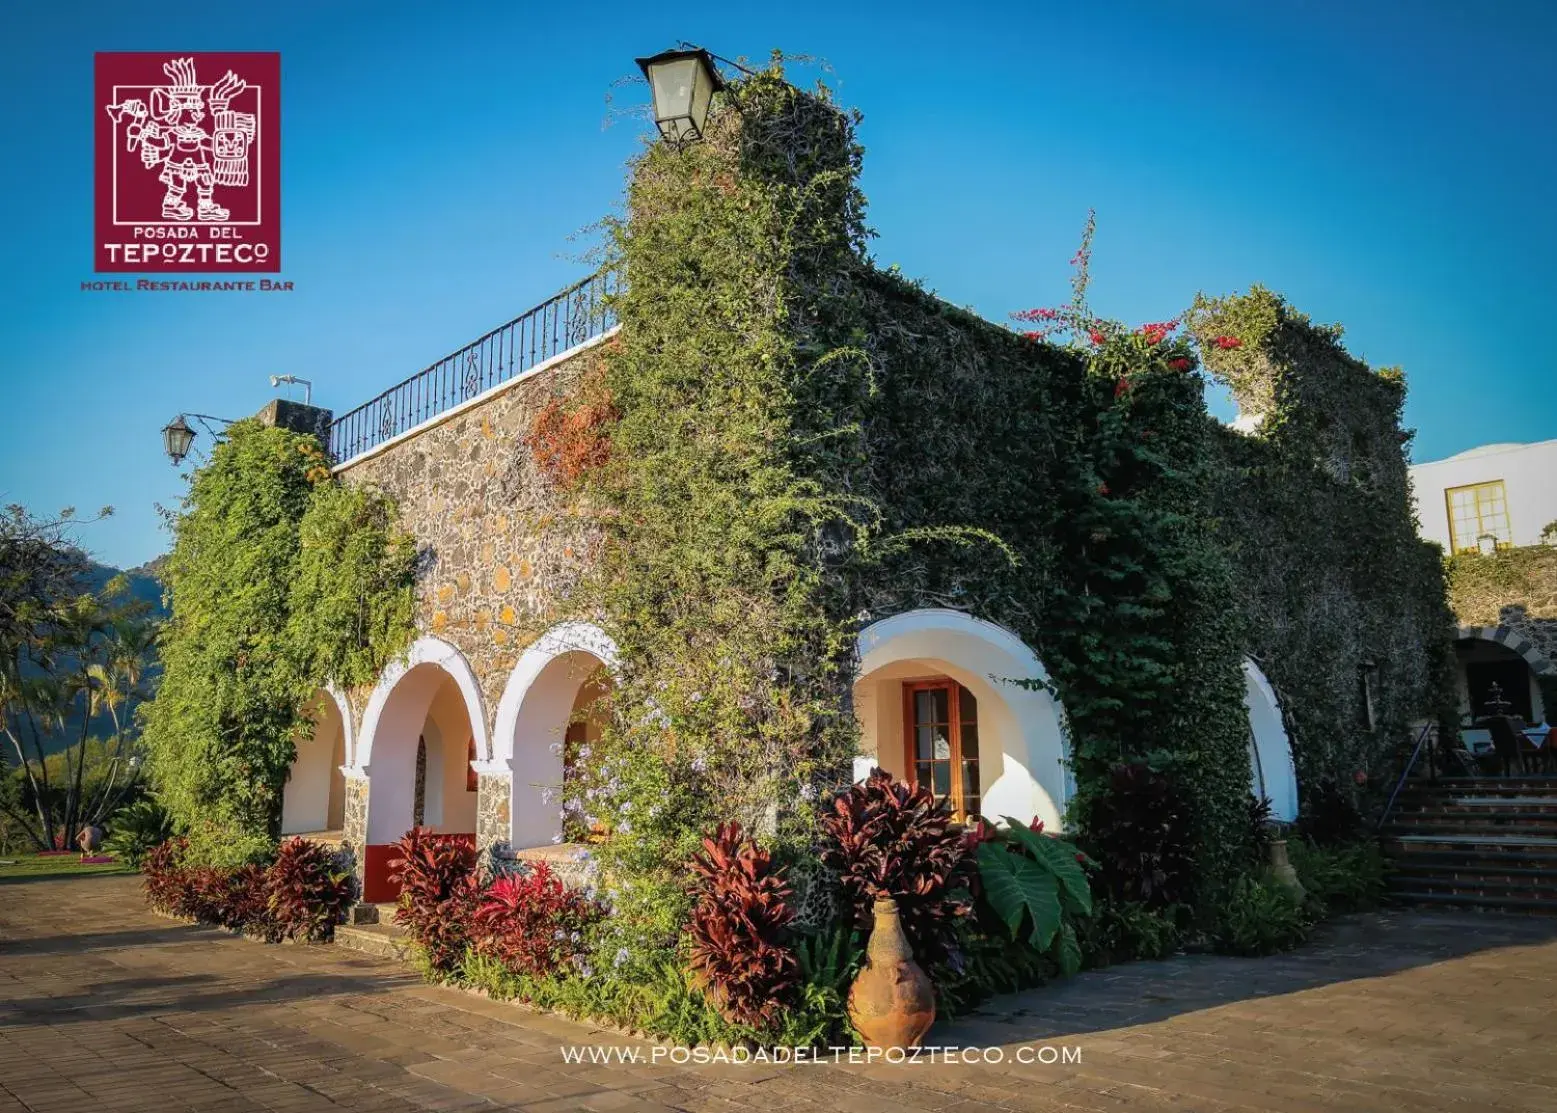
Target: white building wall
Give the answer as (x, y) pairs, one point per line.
(1529, 475)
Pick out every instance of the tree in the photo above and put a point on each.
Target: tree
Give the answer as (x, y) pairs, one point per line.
(69, 659)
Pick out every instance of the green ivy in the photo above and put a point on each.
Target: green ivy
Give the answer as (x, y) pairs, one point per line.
(279, 582)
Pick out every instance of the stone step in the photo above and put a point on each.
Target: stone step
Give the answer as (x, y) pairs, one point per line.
(363, 913)
(1489, 867)
(382, 940)
(1542, 888)
(1487, 834)
(1473, 900)
(1475, 817)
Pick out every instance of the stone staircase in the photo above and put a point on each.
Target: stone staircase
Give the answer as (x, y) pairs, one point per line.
(372, 931)
(1475, 842)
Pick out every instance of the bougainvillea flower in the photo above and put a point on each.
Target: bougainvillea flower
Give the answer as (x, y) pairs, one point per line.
(1179, 364)
(1227, 342)
(1097, 337)
(1121, 387)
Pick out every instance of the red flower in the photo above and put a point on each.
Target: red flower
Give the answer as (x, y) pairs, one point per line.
(1081, 858)
(1225, 342)
(1035, 335)
(1102, 488)
(1036, 826)
(1361, 777)
(1038, 315)
(1179, 364)
(1097, 337)
(1155, 333)
(1121, 387)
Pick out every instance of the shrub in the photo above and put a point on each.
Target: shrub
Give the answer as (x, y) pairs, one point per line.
(162, 876)
(1131, 932)
(1331, 817)
(888, 839)
(1141, 835)
(1349, 878)
(136, 829)
(1035, 886)
(531, 922)
(307, 891)
(1259, 917)
(993, 962)
(740, 956)
(438, 891)
(1258, 834)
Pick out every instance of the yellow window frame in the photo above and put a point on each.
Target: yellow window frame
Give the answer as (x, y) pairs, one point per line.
(1489, 503)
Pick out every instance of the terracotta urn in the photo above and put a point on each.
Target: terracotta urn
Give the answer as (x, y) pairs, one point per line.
(892, 1003)
(1281, 869)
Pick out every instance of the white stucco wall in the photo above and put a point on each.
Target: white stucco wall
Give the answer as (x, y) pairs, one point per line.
(1528, 472)
(1023, 726)
(312, 798)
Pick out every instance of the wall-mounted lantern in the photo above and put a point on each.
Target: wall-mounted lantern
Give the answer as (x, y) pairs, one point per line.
(683, 83)
(177, 437)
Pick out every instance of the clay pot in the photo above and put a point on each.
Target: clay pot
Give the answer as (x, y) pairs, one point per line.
(892, 1003)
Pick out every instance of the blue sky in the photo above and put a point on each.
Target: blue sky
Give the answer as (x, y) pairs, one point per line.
(1389, 168)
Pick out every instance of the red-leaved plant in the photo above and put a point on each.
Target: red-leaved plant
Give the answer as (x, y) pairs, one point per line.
(307, 891)
(438, 892)
(162, 876)
(889, 839)
(739, 928)
(531, 922)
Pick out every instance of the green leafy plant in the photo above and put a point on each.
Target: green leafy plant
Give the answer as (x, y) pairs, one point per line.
(1130, 932)
(1035, 884)
(1141, 833)
(1261, 917)
(1346, 878)
(136, 829)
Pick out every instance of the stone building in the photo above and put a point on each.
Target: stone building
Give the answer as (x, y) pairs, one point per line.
(473, 731)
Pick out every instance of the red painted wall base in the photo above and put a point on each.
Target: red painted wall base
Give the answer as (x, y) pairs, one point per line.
(377, 885)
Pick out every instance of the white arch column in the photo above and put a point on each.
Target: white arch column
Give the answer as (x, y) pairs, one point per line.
(1273, 773)
(433, 673)
(1023, 744)
(532, 716)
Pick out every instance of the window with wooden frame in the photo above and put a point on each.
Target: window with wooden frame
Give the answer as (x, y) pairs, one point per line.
(1478, 510)
(941, 740)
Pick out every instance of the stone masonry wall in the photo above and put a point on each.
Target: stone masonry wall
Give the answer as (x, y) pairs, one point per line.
(499, 548)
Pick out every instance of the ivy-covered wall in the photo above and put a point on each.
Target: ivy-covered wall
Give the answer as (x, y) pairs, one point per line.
(1344, 602)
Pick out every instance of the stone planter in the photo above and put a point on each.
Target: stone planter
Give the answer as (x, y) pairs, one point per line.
(1281, 869)
(892, 1003)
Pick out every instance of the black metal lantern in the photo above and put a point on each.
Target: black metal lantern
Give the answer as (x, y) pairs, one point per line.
(177, 437)
(683, 83)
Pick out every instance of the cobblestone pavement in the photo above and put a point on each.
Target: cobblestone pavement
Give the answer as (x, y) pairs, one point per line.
(106, 1007)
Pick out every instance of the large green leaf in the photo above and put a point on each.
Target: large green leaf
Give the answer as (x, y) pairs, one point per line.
(1066, 949)
(1016, 886)
(1059, 858)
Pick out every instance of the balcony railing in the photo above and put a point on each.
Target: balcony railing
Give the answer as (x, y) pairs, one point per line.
(566, 320)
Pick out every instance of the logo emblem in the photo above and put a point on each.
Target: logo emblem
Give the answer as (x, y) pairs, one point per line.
(188, 162)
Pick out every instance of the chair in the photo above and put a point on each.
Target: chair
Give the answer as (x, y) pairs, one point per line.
(1507, 742)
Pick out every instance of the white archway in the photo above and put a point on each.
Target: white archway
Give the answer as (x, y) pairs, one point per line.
(1023, 742)
(1273, 773)
(396, 719)
(313, 799)
(532, 716)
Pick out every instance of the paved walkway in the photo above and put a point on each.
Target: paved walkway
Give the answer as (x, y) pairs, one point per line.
(105, 1007)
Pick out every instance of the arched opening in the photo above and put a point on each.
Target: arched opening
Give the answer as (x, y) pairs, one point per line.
(421, 725)
(938, 702)
(1272, 772)
(1489, 670)
(549, 717)
(314, 800)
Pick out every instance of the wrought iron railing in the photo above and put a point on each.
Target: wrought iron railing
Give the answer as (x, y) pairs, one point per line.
(579, 313)
(1425, 741)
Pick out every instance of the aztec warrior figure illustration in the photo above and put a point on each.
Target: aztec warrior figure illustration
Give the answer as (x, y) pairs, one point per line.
(171, 134)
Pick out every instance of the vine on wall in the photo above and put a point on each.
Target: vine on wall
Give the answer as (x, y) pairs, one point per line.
(280, 581)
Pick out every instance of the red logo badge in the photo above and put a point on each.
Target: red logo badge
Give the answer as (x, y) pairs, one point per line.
(188, 162)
